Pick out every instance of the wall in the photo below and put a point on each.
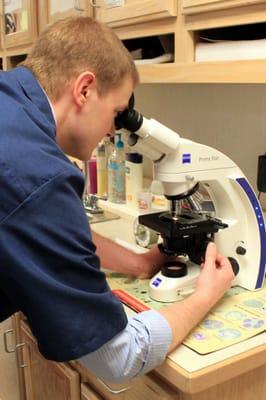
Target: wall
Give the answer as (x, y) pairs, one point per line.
(231, 118)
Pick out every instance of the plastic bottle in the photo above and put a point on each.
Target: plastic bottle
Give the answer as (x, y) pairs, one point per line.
(101, 158)
(109, 145)
(93, 175)
(116, 173)
(159, 201)
(134, 178)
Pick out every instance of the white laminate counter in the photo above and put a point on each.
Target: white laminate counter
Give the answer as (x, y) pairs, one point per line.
(186, 358)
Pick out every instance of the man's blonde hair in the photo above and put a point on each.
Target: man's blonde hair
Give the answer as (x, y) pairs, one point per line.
(73, 45)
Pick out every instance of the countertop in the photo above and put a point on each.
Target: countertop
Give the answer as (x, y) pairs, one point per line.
(185, 369)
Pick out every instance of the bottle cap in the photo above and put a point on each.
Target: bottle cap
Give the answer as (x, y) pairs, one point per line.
(134, 158)
(101, 149)
(119, 144)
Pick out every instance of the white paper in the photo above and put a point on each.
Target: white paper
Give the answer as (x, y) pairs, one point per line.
(231, 50)
(61, 5)
(114, 3)
(12, 5)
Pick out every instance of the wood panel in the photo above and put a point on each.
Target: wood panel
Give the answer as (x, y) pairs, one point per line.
(89, 394)
(25, 24)
(46, 379)
(9, 384)
(251, 71)
(249, 386)
(136, 11)
(200, 6)
(146, 387)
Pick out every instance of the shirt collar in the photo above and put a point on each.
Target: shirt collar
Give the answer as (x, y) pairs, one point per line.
(50, 103)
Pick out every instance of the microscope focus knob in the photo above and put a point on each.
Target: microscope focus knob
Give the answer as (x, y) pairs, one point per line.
(241, 250)
(235, 265)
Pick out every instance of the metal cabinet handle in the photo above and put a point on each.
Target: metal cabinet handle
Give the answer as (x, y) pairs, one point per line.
(93, 3)
(77, 6)
(113, 391)
(18, 346)
(6, 333)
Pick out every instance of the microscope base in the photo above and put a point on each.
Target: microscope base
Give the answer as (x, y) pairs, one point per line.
(165, 289)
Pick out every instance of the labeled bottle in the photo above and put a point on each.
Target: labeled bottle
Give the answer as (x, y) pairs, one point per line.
(134, 178)
(116, 173)
(109, 145)
(101, 160)
(159, 201)
(93, 175)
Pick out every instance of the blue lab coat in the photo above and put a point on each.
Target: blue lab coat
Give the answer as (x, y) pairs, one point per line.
(48, 266)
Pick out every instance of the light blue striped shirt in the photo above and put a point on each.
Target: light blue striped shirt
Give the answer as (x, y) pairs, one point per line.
(136, 350)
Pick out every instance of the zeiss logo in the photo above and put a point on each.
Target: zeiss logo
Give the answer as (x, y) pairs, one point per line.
(186, 158)
(156, 282)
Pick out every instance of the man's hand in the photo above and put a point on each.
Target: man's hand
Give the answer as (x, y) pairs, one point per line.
(215, 278)
(151, 262)
(117, 258)
(216, 275)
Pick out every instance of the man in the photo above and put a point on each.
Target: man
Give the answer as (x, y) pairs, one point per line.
(64, 99)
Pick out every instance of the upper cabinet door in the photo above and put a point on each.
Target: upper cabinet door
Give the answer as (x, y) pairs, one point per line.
(199, 6)
(50, 11)
(124, 12)
(63, 8)
(19, 22)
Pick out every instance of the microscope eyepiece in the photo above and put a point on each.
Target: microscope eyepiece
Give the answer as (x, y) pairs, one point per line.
(129, 119)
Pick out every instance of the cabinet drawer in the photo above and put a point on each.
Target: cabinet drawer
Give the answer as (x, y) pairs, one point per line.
(89, 394)
(200, 6)
(46, 379)
(134, 11)
(144, 388)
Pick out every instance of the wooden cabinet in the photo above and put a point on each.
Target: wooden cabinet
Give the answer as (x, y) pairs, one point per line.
(133, 11)
(195, 16)
(180, 20)
(205, 14)
(239, 377)
(61, 9)
(9, 381)
(147, 387)
(88, 394)
(49, 380)
(18, 22)
(50, 10)
(199, 6)
(46, 379)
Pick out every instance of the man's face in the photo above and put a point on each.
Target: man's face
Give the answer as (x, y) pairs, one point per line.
(97, 117)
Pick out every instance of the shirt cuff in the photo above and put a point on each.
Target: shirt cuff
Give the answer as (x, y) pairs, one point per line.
(160, 337)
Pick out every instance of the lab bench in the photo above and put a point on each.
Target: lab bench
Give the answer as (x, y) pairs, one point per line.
(234, 373)
(237, 372)
(241, 376)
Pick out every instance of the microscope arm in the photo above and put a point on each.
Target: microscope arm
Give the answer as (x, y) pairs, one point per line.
(181, 164)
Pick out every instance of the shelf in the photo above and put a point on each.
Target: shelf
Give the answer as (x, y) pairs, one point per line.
(250, 71)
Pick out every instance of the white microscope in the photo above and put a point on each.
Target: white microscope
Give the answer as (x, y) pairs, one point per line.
(238, 228)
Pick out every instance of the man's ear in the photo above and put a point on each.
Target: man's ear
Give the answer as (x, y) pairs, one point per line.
(83, 85)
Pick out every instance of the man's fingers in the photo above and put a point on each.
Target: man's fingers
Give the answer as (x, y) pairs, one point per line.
(223, 261)
(210, 255)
